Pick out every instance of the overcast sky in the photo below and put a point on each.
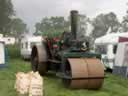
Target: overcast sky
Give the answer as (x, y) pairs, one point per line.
(32, 11)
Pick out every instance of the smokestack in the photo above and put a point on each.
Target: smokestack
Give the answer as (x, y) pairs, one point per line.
(74, 23)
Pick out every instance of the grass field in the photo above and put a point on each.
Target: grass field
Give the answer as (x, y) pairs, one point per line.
(113, 85)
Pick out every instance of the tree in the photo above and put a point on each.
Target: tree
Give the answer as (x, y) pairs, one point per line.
(51, 26)
(18, 27)
(124, 23)
(103, 22)
(6, 11)
(83, 26)
(37, 26)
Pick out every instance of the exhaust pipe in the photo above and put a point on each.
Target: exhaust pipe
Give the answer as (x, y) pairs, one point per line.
(74, 23)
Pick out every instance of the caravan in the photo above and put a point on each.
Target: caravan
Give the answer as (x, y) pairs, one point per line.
(27, 43)
(3, 53)
(107, 46)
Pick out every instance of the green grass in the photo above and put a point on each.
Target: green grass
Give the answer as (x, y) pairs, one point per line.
(113, 85)
(7, 76)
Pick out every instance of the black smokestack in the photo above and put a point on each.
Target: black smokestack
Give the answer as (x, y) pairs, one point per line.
(74, 23)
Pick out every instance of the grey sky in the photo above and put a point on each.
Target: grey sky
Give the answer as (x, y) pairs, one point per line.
(32, 11)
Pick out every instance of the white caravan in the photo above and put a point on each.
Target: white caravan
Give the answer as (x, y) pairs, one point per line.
(8, 40)
(3, 53)
(107, 46)
(27, 43)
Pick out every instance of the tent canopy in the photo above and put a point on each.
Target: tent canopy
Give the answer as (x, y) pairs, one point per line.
(112, 38)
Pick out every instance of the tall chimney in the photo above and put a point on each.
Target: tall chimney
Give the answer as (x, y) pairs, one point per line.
(74, 23)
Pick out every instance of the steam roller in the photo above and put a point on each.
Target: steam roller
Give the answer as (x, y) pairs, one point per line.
(70, 58)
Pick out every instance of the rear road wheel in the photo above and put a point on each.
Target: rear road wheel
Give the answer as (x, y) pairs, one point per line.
(39, 59)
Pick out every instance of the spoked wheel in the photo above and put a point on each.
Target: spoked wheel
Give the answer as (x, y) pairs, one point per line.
(39, 59)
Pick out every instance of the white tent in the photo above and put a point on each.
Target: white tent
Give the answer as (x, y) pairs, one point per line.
(111, 38)
(108, 43)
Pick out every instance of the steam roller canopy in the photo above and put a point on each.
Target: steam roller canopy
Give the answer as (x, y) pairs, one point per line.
(85, 72)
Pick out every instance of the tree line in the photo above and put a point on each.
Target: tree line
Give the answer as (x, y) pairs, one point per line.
(53, 26)
(10, 24)
(101, 23)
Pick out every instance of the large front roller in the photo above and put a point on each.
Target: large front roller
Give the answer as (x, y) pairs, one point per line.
(39, 59)
(85, 73)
